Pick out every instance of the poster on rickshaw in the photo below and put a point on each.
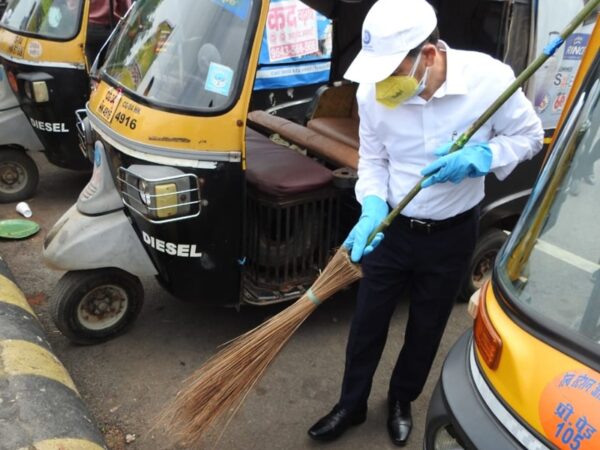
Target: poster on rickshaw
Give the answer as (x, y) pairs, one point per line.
(296, 47)
(291, 30)
(551, 84)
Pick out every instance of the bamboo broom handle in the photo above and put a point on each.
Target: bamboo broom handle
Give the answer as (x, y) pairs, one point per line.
(510, 90)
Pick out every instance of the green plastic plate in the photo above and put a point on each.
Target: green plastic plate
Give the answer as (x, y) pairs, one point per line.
(18, 228)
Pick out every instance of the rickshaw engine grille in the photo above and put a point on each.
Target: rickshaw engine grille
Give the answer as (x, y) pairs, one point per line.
(287, 242)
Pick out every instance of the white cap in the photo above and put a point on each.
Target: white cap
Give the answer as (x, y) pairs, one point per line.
(391, 29)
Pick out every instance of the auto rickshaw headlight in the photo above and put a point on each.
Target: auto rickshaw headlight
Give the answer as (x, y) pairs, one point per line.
(160, 193)
(145, 193)
(35, 86)
(40, 92)
(444, 440)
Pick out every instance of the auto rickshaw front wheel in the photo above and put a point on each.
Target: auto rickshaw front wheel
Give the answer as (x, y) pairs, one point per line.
(482, 263)
(19, 175)
(93, 306)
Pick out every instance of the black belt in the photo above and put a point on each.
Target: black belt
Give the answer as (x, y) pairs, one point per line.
(428, 226)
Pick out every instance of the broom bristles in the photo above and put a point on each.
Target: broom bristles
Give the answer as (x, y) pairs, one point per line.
(215, 392)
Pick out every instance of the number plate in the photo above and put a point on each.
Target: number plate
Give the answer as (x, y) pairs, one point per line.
(108, 105)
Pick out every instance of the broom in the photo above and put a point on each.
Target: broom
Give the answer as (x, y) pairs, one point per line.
(215, 392)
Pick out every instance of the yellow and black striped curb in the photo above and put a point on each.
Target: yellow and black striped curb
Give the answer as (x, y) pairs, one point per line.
(40, 408)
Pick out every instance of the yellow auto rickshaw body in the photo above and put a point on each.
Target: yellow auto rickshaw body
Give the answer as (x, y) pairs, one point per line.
(42, 49)
(550, 387)
(23, 47)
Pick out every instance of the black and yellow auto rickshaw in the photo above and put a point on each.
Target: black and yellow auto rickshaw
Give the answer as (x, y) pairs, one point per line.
(224, 205)
(42, 49)
(528, 375)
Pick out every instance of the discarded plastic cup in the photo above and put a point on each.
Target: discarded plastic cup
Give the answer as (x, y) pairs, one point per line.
(24, 209)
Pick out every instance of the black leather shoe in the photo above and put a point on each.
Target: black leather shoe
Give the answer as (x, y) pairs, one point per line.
(333, 425)
(399, 422)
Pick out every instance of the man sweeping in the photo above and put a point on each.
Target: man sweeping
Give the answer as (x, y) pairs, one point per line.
(416, 95)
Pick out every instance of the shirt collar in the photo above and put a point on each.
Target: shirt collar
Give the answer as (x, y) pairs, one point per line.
(455, 82)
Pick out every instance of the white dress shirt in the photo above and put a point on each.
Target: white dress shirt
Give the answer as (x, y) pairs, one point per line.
(397, 143)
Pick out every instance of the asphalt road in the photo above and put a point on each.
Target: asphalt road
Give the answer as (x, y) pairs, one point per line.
(127, 381)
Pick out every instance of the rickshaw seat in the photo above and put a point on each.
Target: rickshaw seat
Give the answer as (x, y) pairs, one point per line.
(279, 171)
(337, 152)
(343, 129)
(334, 113)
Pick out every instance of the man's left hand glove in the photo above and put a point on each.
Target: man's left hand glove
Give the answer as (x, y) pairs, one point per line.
(473, 160)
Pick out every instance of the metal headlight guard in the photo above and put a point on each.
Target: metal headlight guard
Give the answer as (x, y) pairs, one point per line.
(160, 194)
(84, 133)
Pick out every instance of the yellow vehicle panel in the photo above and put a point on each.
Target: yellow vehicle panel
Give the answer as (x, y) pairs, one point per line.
(164, 129)
(36, 49)
(541, 384)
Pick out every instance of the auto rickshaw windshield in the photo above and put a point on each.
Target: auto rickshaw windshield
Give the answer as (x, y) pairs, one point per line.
(48, 19)
(184, 54)
(551, 267)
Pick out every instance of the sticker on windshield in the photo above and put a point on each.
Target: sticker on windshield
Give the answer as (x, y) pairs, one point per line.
(54, 16)
(219, 79)
(238, 7)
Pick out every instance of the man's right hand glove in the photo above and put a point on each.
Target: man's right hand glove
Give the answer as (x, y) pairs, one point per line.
(473, 160)
(374, 210)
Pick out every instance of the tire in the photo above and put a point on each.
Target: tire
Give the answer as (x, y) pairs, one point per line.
(19, 175)
(482, 262)
(79, 291)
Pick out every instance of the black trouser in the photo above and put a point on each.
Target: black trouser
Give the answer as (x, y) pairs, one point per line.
(95, 39)
(431, 267)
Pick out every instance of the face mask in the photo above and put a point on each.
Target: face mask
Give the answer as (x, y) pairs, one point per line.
(396, 89)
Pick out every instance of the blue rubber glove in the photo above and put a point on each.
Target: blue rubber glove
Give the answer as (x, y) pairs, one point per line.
(374, 210)
(473, 160)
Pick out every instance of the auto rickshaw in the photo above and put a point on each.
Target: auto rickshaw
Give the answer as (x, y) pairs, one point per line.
(42, 46)
(528, 374)
(18, 172)
(225, 205)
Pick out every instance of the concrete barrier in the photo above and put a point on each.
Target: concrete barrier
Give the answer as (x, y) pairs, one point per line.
(40, 408)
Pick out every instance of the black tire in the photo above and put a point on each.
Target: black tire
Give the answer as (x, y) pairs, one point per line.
(19, 175)
(482, 262)
(82, 325)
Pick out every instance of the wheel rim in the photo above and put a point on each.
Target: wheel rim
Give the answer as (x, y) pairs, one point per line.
(483, 270)
(102, 307)
(13, 177)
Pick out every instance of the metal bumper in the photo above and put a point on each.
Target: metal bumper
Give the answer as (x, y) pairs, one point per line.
(458, 403)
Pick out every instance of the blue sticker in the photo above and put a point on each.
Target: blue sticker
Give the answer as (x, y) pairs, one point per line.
(219, 79)
(575, 46)
(238, 7)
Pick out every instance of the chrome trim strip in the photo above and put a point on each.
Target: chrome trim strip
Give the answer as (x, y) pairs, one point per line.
(505, 200)
(508, 421)
(61, 65)
(198, 159)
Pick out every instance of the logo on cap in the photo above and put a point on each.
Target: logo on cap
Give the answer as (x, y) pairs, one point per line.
(366, 37)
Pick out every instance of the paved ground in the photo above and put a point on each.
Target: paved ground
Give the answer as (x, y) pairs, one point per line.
(127, 381)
